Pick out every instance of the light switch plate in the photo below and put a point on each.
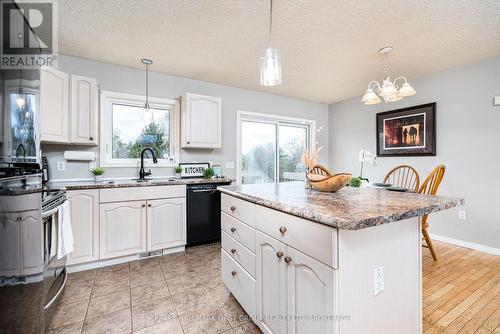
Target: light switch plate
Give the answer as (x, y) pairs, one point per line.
(496, 101)
(462, 215)
(378, 280)
(61, 166)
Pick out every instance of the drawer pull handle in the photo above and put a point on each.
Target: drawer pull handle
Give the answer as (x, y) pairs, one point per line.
(282, 229)
(288, 259)
(91, 138)
(279, 254)
(233, 273)
(144, 205)
(149, 205)
(233, 208)
(233, 229)
(233, 250)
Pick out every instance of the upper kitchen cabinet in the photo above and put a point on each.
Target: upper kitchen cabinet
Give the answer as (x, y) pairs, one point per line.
(54, 92)
(84, 109)
(201, 119)
(68, 108)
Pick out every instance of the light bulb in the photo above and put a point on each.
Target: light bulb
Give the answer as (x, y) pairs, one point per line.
(270, 68)
(20, 102)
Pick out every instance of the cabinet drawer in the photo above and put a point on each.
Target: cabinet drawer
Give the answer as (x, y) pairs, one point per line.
(239, 253)
(314, 239)
(239, 209)
(241, 232)
(141, 193)
(239, 282)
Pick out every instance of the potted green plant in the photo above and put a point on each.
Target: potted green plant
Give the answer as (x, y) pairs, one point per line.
(355, 182)
(208, 173)
(98, 172)
(178, 171)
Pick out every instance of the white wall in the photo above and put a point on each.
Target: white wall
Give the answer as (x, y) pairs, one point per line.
(130, 80)
(468, 143)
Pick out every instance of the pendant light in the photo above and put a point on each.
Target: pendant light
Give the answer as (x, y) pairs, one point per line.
(20, 101)
(389, 91)
(270, 67)
(147, 62)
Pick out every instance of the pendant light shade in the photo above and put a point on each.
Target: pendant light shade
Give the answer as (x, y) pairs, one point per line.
(270, 63)
(270, 68)
(21, 100)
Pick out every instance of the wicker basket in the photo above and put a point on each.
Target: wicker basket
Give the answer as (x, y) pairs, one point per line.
(320, 178)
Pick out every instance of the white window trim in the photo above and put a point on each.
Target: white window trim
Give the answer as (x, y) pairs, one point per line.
(268, 118)
(108, 98)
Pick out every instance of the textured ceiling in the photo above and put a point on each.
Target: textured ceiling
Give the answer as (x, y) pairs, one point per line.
(328, 48)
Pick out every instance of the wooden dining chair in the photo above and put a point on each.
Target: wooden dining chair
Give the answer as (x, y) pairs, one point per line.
(403, 176)
(430, 187)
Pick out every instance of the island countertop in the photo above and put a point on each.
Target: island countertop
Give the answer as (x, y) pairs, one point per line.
(348, 208)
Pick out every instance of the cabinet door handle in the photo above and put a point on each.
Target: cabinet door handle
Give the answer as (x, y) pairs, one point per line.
(282, 229)
(233, 251)
(233, 208)
(149, 205)
(188, 142)
(288, 259)
(233, 273)
(233, 229)
(144, 205)
(91, 138)
(279, 254)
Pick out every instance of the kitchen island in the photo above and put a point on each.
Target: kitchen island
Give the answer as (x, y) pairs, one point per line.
(302, 261)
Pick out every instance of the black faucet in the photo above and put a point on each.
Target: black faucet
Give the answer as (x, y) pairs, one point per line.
(142, 172)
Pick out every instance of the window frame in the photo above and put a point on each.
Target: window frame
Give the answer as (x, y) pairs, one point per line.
(108, 98)
(273, 119)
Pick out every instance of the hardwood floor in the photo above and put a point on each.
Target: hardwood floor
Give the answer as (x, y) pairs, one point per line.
(461, 291)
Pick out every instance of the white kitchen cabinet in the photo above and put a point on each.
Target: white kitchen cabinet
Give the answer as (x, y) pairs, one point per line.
(31, 236)
(10, 263)
(166, 223)
(54, 97)
(270, 284)
(201, 119)
(122, 229)
(84, 206)
(84, 110)
(310, 293)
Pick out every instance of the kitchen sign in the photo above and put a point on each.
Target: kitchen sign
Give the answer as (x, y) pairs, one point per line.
(194, 169)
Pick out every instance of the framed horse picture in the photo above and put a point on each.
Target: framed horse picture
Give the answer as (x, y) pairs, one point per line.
(407, 132)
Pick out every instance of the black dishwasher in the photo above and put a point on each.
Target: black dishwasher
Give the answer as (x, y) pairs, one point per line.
(203, 213)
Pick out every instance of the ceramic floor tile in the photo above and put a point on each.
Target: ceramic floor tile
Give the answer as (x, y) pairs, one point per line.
(69, 314)
(234, 313)
(152, 312)
(247, 328)
(146, 276)
(181, 256)
(101, 305)
(171, 326)
(114, 323)
(145, 293)
(105, 287)
(190, 302)
(220, 293)
(76, 291)
(68, 329)
(207, 321)
(183, 283)
(82, 276)
(143, 264)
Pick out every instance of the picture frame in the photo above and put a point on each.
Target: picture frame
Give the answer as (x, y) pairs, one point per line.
(193, 169)
(407, 132)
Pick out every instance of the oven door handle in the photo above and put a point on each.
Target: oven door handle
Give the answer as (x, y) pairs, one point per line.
(59, 292)
(49, 213)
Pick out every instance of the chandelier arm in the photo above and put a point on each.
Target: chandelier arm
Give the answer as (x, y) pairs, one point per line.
(374, 85)
(402, 78)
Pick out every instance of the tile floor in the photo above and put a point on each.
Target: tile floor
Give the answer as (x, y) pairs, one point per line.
(177, 293)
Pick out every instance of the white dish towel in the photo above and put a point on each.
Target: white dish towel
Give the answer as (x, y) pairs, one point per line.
(65, 233)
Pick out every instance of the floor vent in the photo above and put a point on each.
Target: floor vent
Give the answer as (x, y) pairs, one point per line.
(149, 254)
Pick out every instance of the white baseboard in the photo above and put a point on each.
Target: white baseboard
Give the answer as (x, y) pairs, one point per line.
(73, 268)
(466, 244)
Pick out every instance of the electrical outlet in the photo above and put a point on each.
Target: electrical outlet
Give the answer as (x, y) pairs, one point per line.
(61, 166)
(496, 101)
(462, 214)
(378, 280)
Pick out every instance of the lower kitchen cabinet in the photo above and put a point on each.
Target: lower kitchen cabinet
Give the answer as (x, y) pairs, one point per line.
(122, 229)
(84, 206)
(10, 263)
(166, 223)
(291, 283)
(31, 241)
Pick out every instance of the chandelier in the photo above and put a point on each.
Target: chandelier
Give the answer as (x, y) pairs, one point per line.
(389, 91)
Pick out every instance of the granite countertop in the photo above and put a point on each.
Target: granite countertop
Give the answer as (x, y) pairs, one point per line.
(348, 208)
(124, 183)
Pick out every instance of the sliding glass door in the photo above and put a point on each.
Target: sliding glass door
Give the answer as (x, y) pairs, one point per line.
(271, 148)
